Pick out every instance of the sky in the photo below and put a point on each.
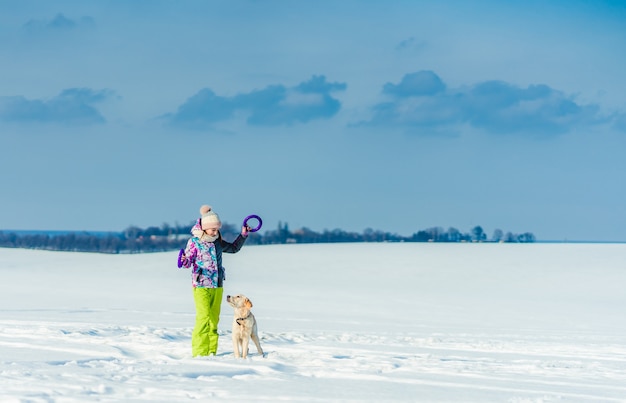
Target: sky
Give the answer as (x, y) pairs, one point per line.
(395, 116)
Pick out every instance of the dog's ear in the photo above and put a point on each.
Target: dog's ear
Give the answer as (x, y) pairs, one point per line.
(248, 303)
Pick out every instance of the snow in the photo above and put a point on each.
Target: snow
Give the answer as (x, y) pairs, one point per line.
(339, 322)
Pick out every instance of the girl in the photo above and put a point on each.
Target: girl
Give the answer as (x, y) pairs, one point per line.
(203, 254)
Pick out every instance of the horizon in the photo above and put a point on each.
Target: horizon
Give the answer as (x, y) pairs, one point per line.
(488, 240)
(499, 114)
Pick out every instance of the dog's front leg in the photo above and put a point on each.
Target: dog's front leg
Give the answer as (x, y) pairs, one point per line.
(244, 347)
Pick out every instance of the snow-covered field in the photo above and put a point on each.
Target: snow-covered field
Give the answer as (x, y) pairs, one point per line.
(339, 322)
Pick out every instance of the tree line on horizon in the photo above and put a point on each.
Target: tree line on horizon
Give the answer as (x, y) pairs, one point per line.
(166, 238)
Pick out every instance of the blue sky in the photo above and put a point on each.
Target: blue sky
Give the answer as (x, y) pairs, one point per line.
(391, 115)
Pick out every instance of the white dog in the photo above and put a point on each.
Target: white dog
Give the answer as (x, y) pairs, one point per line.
(244, 326)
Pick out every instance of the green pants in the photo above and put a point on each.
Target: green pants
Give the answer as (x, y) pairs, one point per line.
(208, 305)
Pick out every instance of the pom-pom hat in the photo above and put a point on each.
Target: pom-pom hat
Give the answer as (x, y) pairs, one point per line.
(209, 218)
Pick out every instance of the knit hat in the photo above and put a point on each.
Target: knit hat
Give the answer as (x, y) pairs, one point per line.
(209, 218)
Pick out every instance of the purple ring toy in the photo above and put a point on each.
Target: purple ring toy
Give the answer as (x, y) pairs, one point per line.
(180, 255)
(245, 222)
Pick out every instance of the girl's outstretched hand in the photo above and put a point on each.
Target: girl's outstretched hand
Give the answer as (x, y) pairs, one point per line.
(245, 230)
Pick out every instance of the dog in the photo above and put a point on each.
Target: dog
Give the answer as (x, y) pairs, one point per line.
(244, 326)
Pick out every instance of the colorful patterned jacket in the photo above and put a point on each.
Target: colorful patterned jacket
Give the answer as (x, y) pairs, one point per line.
(205, 258)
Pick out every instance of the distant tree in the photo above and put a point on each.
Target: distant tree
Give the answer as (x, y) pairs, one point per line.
(283, 232)
(436, 234)
(369, 235)
(526, 237)
(454, 235)
(151, 231)
(166, 229)
(497, 236)
(420, 236)
(306, 235)
(478, 234)
(510, 237)
(132, 232)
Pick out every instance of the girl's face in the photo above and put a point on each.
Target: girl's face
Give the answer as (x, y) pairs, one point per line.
(212, 232)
